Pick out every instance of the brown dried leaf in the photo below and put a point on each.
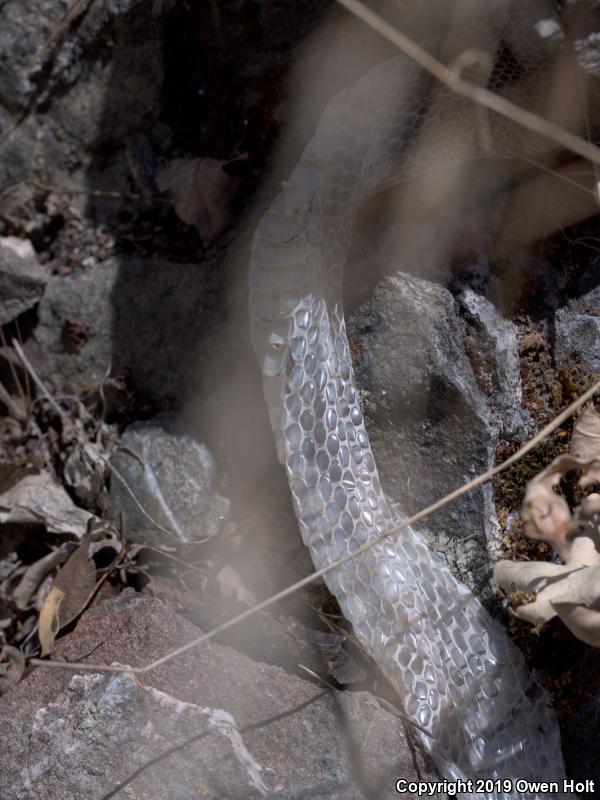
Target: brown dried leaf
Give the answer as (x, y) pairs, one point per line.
(36, 573)
(202, 192)
(76, 579)
(66, 600)
(12, 665)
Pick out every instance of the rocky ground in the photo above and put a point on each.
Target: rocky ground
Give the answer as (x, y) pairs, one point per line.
(140, 498)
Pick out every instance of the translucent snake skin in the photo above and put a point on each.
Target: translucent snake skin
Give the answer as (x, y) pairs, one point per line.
(475, 707)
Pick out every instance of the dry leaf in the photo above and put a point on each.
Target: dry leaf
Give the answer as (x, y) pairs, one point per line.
(12, 664)
(68, 596)
(571, 593)
(202, 192)
(38, 499)
(35, 574)
(49, 620)
(85, 470)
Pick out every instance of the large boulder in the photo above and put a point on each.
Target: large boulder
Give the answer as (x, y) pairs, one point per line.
(428, 422)
(212, 722)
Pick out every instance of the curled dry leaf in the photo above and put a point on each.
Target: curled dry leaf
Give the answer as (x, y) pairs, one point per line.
(12, 664)
(202, 192)
(67, 599)
(36, 572)
(570, 591)
(38, 499)
(85, 470)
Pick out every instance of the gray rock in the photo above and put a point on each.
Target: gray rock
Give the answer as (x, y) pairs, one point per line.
(65, 736)
(495, 341)
(76, 741)
(22, 284)
(174, 478)
(85, 297)
(20, 36)
(146, 317)
(577, 339)
(16, 156)
(577, 325)
(67, 91)
(427, 420)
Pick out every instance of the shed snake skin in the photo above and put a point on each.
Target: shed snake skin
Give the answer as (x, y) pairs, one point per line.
(476, 708)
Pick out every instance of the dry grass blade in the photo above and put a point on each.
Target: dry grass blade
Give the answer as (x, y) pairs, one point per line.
(444, 501)
(96, 192)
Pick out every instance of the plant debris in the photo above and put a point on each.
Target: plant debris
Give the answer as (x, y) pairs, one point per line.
(12, 666)
(202, 191)
(37, 498)
(571, 590)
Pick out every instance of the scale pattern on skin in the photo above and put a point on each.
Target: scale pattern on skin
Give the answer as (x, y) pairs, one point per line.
(460, 679)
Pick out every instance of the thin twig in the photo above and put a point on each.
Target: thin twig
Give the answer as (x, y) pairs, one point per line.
(27, 385)
(444, 501)
(97, 192)
(478, 94)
